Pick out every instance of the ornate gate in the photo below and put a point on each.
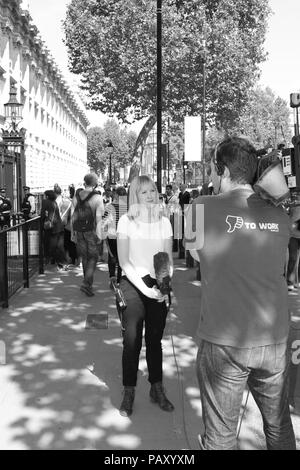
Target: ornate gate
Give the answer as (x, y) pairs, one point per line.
(11, 174)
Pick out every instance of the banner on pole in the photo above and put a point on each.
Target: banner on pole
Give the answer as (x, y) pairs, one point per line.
(192, 139)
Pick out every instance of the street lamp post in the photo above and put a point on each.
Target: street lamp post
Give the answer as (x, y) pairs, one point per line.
(111, 148)
(159, 92)
(185, 167)
(204, 106)
(15, 137)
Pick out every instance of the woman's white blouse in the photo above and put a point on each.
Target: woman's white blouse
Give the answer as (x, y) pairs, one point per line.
(145, 240)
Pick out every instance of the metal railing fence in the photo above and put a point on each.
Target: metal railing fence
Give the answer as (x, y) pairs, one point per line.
(21, 256)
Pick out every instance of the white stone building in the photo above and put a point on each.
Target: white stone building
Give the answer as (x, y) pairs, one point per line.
(53, 115)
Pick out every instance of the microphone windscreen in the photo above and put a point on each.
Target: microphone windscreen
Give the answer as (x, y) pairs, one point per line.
(161, 265)
(162, 271)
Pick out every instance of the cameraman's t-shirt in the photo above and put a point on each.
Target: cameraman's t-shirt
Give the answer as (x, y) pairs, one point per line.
(145, 240)
(244, 299)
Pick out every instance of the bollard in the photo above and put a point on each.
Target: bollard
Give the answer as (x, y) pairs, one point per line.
(189, 260)
(181, 249)
(198, 272)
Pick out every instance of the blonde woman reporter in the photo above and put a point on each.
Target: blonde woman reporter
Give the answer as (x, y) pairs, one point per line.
(142, 233)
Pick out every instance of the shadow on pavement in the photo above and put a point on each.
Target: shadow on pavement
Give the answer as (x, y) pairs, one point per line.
(61, 385)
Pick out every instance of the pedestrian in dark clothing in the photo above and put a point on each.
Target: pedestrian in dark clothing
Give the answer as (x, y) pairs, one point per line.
(184, 200)
(54, 235)
(292, 275)
(69, 245)
(112, 214)
(183, 196)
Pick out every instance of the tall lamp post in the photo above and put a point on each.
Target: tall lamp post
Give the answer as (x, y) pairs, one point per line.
(295, 104)
(204, 104)
(15, 137)
(185, 167)
(159, 91)
(110, 149)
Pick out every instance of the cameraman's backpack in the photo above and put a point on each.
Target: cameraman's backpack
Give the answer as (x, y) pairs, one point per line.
(83, 218)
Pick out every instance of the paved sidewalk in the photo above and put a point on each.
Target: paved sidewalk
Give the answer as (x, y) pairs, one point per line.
(61, 385)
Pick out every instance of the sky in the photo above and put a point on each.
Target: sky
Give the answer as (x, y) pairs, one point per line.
(281, 71)
(48, 15)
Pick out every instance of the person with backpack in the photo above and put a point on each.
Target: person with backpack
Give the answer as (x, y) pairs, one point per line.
(86, 222)
(111, 217)
(70, 246)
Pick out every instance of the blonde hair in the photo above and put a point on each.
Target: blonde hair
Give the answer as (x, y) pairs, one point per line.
(136, 186)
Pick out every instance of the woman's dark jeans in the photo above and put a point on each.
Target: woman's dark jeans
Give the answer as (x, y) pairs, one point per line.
(113, 260)
(141, 311)
(56, 247)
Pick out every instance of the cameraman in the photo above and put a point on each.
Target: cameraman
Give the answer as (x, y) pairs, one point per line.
(244, 321)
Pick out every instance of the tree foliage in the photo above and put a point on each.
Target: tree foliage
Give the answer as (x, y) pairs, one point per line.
(112, 45)
(265, 121)
(98, 151)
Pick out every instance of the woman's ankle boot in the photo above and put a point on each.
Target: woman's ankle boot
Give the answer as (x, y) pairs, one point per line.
(157, 395)
(127, 402)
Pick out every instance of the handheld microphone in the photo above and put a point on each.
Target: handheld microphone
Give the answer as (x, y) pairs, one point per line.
(162, 273)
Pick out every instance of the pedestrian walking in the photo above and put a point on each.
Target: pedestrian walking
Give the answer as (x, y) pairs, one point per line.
(53, 229)
(244, 321)
(184, 199)
(292, 274)
(112, 214)
(142, 233)
(86, 221)
(69, 245)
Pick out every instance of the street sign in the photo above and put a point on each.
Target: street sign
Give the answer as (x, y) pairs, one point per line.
(192, 139)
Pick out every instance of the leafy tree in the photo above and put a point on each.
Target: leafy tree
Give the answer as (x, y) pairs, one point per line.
(265, 121)
(112, 45)
(98, 150)
(95, 149)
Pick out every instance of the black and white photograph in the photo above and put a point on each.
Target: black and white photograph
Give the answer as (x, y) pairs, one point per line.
(149, 227)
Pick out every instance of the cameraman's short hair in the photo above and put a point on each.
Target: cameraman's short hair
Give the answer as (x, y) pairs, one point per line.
(91, 179)
(121, 191)
(239, 156)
